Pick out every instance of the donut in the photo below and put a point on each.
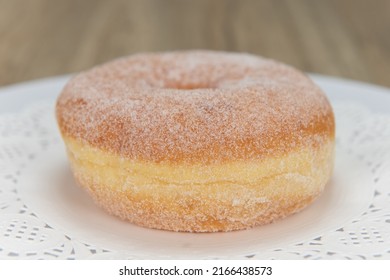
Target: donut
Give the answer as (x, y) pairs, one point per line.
(197, 140)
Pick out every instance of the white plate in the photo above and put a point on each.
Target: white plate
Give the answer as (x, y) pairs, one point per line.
(45, 215)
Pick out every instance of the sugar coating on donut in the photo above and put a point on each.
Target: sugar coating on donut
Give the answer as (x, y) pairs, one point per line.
(198, 107)
(197, 140)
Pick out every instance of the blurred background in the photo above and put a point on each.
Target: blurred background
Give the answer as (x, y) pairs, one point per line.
(345, 38)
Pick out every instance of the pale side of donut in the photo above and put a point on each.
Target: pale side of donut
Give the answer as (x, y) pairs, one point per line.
(198, 198)
(198, 141)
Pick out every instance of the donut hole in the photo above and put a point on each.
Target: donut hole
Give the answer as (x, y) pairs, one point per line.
(190, 86)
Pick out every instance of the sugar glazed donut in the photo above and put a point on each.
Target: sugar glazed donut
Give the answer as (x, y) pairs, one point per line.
(197, 141)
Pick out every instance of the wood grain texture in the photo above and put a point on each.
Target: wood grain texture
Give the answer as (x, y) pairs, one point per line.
(348, 38)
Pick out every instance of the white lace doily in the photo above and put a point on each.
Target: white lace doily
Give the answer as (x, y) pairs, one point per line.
(43, 215)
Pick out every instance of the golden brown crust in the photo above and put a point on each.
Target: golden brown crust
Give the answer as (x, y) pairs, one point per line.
(196, 215)
(195, 107)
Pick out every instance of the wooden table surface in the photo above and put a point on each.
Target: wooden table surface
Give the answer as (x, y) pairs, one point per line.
(41, 38)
